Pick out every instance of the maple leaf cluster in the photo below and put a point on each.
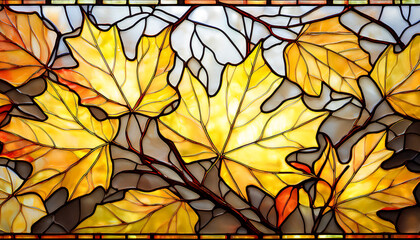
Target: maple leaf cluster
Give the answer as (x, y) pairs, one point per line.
(78, 140)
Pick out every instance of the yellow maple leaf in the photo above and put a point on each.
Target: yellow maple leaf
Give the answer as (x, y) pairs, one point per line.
(70, 149)
(17, 211)
(231, 127)
(356, 191)
(326, 52)
(398, 77)
(159, 211)
(26, 45)
(107, 79)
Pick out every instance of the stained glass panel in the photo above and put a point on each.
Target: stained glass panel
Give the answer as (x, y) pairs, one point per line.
(209, 119)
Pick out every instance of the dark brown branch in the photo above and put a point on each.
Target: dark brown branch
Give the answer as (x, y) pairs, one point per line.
(214, 196)
(193, 184)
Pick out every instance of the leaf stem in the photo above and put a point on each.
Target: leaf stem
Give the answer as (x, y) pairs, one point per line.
(319, 217)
